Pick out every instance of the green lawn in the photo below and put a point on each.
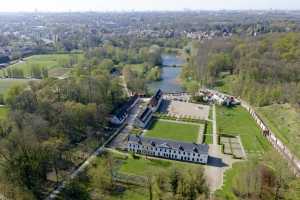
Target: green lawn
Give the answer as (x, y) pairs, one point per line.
(224, 84)
(49, 61)
(284, 121)
(143, 166)
(173, 131)
(208, 137)
(139, 166)
(226, 191)
(138, 68)
(3, 112)
(237, 121)
(5, 84)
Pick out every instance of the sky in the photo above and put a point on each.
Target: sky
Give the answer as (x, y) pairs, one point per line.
(142, 5)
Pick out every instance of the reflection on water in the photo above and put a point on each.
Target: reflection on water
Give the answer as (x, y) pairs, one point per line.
(171, 60)
(170, 75)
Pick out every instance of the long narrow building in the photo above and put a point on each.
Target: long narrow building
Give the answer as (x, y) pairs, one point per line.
(174, 150)
(145, 117)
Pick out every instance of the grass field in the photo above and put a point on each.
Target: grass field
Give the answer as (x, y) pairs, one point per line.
(3, 112)
(284, 121)
(5, 84)
(208, 137)
(237, 121)
(139, 166)
(49, 61)
(224, 85)
(143, 166)
(138, 68)
(173, 131)
(226, 191)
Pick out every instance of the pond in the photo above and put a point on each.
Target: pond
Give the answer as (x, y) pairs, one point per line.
(170, 75)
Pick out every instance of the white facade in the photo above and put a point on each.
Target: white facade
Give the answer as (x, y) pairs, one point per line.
(169, 153)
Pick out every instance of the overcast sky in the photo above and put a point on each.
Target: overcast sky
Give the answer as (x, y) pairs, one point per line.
(127, 5)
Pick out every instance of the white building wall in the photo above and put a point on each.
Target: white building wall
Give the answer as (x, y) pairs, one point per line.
(168, 153)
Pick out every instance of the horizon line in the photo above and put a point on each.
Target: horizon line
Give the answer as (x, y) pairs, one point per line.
(133, 10)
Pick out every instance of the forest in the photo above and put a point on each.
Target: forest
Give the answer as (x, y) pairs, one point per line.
(263, 70)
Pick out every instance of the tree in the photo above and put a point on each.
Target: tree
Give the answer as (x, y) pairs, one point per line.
(11, 95)
(75, 190)
(175, 176)
(162, 185)
(25, 161)
(149, 184)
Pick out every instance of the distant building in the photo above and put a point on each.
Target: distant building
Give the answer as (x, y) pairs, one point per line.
(121, 115)
(144, 117)
(189, 152)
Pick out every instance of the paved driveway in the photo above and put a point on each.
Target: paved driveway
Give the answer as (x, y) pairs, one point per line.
(120, 140)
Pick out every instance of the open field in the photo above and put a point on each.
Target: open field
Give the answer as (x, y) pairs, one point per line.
(48, 61)
(173, 131)
(143, 166)
(237, 121)
(5, 84)
(224, 84)
(284, 121)
(138, 68)
(3, 112)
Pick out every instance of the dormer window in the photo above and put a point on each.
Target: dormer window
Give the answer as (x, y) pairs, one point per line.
(181, 148)
(195, 149)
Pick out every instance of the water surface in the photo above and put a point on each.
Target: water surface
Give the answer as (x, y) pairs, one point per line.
(170, 75)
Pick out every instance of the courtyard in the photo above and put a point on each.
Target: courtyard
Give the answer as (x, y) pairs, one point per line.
(174, 130)
(185, 110)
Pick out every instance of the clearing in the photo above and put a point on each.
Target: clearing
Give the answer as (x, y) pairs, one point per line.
(48, 61)
(3, 112)
(177, 131)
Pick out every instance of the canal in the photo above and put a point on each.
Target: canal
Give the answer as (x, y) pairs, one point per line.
(171, 71)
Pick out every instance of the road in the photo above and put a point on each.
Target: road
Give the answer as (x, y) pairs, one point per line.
(118, 141)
